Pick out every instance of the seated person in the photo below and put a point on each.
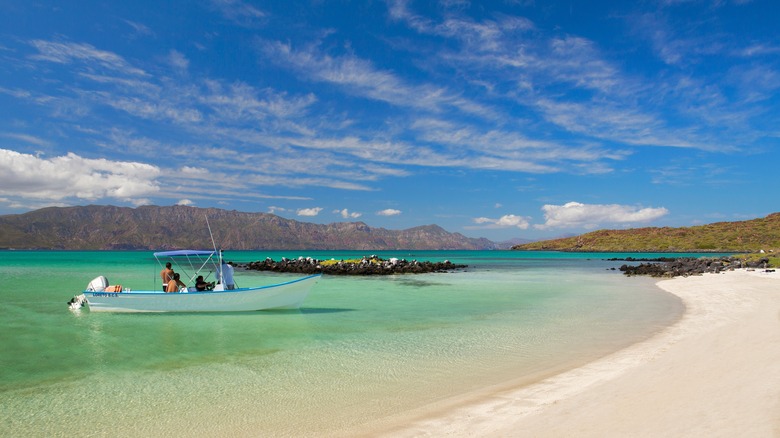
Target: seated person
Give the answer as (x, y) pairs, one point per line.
(201, 284)
(174, 284)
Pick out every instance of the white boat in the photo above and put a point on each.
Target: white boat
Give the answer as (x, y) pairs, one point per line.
(99, 296)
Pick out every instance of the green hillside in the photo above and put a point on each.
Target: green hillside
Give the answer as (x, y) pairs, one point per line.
(744, 236)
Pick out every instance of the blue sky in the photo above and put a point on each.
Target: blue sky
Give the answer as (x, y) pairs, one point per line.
(502, 119)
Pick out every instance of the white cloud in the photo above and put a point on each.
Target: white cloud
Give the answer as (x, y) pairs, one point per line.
(505, 221)
(347, 215)
(72, 176)
(388, 212)
(273, 209)
(185, 202)
(309, 211)
(589, 216)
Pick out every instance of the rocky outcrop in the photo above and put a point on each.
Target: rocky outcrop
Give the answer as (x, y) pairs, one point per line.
(691, 266)
(372, 265)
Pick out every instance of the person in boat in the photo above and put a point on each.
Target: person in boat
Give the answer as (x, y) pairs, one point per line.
(202, 285)
(174, 284)
(227, 276)
(166, 275)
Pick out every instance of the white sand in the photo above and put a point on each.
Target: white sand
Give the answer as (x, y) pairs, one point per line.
(715, 373)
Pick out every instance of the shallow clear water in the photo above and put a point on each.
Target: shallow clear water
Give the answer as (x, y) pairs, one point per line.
(359, 349)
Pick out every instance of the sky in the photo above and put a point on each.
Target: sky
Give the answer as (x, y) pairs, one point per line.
(500, 119)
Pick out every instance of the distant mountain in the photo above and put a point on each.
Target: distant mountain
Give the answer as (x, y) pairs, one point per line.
(741, 236)
(508, 244)
(159, 228)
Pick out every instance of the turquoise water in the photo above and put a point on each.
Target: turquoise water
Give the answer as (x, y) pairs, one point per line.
(360, 349)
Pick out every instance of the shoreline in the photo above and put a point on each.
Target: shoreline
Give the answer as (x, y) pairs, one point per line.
(714, 372)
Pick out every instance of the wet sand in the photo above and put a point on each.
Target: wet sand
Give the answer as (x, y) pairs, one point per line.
(716, 372)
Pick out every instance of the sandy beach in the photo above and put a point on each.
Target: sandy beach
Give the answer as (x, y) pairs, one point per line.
(714, 373)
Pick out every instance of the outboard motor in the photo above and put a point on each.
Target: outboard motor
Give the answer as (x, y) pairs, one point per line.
(99, 284)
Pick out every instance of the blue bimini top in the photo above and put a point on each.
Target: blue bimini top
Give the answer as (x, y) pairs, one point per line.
(183, 252)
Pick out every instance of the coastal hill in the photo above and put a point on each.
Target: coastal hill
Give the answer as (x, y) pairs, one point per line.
(743, 236)
(175, 227)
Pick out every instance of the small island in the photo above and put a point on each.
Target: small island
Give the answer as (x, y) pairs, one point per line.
(368, 265)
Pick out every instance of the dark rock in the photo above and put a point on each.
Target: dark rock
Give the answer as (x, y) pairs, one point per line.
(689, 266)
(633, 259)
(372, 265)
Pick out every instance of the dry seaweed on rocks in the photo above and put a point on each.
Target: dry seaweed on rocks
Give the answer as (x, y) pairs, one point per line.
(372, 265)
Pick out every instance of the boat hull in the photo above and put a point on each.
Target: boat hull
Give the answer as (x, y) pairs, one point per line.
(289, 295)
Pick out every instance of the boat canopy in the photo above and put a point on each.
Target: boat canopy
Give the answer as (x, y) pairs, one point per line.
(183, 253)
(190, 263)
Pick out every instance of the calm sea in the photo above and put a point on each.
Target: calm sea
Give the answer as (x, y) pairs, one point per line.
(360, 349)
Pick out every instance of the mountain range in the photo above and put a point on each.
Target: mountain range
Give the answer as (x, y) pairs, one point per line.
(97, 227)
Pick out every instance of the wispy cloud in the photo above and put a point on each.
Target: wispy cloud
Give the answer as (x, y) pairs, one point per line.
(239, 101)
(509, 43)
(31, 139)
(359, 77)
(240, 12)
(219, 112)
(757, 50)
(755, 82)
(313, 105)
(139, 29)
(68, 52)
(160, 109)
(506, 150)
(567, 80)
(691, 173)
(178, 61)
